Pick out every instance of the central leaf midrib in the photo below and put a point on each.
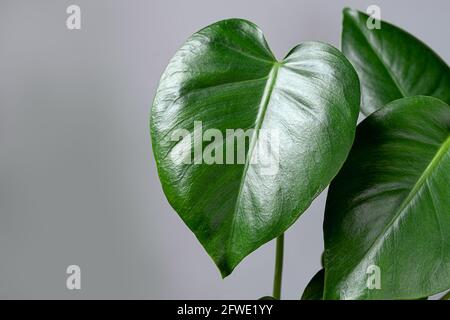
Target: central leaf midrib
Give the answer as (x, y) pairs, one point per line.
(443, 148)
(268, 89)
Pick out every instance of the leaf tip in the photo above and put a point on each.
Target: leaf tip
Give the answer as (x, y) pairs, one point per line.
(225, 267)
(347, 10)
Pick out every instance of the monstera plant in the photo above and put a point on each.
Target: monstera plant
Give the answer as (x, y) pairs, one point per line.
(244, 142)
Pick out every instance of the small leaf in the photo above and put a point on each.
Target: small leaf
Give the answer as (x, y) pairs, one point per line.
(391, 63)
(388, 210)
(226, 77)
(314, 289)
(267, 298)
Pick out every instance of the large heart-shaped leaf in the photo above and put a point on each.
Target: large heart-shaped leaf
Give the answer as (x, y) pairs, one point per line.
(225, 77)
(391, 63)
(388, 210)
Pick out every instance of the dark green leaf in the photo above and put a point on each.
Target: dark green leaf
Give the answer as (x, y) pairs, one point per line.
(391, 63)
(226, 77)
(314, 289)
(389, 207)
(267, 298)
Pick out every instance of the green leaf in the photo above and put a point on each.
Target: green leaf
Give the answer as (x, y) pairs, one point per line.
(226, 77)
(391, 63)
(314, 289)
(267, 298)
(389, 207)
(446, 296)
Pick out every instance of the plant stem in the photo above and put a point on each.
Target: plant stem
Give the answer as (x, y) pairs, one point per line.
(278, 267)
(446, 296)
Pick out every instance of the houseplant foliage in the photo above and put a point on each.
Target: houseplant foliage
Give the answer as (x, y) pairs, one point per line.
(314, 289)
(391, 63)
(226, 76)
(388, 207)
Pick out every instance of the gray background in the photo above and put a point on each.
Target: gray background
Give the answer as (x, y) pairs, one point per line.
(78, 183)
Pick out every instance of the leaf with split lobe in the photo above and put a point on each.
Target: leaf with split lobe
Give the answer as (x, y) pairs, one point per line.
(388, 210)
(226, 77)
(391, 63)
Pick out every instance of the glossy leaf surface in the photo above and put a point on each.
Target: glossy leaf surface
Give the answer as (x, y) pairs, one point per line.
(391, 63)
(226, 77)
(389, 207)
